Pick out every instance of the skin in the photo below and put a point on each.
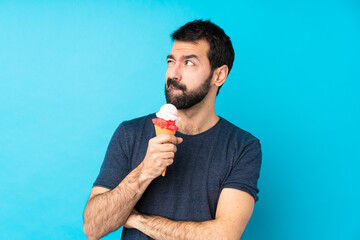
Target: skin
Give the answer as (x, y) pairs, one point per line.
(192, 72)
(108, 210)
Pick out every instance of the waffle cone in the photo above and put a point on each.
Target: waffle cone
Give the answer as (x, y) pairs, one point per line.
(160, 131)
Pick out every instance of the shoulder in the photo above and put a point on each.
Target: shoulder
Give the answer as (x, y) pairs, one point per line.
(137, 128)
(130, 132)
(135, 124)
(129, 129)
(236, 132)
(239, 141)
(245, 163)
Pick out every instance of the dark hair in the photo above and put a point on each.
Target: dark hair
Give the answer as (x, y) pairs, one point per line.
(221, 51)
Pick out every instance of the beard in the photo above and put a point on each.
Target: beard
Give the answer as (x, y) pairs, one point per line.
(188, 98)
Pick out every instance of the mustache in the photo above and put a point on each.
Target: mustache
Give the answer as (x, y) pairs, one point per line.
(175, 84)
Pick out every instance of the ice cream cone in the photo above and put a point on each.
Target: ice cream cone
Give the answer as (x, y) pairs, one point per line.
(159, 131)
(165, 123)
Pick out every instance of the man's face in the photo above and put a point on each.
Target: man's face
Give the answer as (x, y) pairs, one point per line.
(189, 75)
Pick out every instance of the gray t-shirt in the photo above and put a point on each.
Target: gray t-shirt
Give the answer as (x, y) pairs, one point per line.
(224, 156)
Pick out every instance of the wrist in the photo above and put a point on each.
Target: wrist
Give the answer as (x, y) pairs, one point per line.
(144, 178)
(139, 223)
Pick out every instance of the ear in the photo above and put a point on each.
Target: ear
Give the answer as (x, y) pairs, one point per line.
(220, 75)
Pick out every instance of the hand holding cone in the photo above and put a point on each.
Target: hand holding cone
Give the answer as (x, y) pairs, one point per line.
(159, 131)
(165, 122)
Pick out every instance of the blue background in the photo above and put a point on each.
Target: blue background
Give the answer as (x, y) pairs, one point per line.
(71, 71)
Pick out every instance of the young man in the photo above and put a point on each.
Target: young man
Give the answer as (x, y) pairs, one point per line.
(210, 185)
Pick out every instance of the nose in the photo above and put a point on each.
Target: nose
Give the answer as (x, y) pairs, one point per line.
(174, 72)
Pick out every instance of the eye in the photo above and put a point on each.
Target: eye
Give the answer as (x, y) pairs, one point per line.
(169, 61)
(189, 63)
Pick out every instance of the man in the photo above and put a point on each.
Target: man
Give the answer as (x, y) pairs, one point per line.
(210, 186)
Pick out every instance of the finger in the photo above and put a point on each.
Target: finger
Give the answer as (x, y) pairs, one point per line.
(168, 162)
(161, 156)
(166, 147)
(179, 140)
(165, 138)
(165, 155)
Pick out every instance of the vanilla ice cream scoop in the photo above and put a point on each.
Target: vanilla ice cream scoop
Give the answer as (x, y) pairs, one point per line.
(168, 112)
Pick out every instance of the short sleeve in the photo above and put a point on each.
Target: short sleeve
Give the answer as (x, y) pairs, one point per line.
(246, 169)
(115, 166)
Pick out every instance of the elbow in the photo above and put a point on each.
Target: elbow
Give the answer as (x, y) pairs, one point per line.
(229, 234)
(227, 237)
(88, 231)
(92, 232)
(89, 228)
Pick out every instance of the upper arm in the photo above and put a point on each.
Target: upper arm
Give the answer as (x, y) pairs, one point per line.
(234, 210)
(97, 190)
(115, 166)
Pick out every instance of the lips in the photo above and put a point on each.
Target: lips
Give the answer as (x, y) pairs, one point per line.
(173, 84)
(173, 88)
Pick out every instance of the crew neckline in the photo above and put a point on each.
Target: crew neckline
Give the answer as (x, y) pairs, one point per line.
(213, 128)
(180, 134)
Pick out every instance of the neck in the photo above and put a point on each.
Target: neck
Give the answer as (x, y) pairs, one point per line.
(199, 117)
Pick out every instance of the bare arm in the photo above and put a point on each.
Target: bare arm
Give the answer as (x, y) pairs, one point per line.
(233, 212)
(108, 210)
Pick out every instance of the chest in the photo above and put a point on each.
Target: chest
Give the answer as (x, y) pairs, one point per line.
(192, 184)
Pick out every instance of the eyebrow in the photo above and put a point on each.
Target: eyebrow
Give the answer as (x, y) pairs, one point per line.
(183, 57)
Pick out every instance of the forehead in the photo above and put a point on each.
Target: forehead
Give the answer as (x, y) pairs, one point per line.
(199, 48)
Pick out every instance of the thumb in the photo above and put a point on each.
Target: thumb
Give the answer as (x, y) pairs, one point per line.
(179, 140)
